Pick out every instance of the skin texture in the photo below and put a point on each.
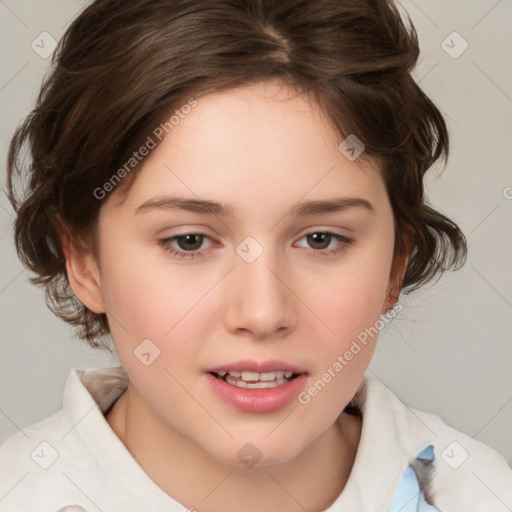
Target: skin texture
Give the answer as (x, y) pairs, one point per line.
(261, 149)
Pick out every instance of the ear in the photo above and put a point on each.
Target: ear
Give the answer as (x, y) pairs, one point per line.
(83, 273)
(398, 269)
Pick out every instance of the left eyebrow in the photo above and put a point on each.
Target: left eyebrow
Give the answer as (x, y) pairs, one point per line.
(224, 210)
(331, 206)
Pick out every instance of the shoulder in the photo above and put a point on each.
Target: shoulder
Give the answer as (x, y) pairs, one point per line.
(465, 473)
(31, 463)
(40, 464)
(22, 448)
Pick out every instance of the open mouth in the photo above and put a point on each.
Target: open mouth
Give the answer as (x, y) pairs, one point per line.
(253, 380)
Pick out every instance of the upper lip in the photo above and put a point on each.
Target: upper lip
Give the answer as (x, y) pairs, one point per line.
(257, 367)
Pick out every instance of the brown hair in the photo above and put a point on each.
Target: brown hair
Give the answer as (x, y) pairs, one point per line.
(125, 64)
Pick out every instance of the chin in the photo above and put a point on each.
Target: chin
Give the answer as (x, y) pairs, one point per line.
(256, 454)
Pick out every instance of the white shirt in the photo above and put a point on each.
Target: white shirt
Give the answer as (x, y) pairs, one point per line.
(74, 459)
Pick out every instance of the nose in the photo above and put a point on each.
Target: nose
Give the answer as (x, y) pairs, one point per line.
(259, 300)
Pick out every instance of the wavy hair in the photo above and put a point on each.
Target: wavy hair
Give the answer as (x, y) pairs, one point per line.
(124, 64)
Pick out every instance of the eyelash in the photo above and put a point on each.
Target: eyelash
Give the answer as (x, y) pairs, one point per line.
(324, 253)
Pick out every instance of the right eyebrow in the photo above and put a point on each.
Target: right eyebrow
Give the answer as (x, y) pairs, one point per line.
(187, 204)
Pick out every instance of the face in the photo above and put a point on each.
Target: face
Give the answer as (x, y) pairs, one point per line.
(250, 243)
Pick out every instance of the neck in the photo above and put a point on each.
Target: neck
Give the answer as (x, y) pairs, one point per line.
(310, 481)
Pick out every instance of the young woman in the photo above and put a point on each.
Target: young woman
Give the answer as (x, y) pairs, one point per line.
(233, 190)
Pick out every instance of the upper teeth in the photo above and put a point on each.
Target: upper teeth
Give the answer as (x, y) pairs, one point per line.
(253, 376)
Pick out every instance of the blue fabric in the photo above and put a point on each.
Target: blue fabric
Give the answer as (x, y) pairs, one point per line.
(409, 496)
(427, 454)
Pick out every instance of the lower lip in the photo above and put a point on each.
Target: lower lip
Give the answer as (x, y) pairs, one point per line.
(260, 400)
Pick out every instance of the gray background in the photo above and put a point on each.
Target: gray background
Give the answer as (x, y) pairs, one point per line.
(449, 351)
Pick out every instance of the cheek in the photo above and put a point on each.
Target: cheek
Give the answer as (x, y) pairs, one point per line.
(345, 339)
(350, 307)
(159, 308)
(144, 292)
(353, 296)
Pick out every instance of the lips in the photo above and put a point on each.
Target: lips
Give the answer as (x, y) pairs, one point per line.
(253, 380)
(257, 386)
(257, 367)
(254, 374)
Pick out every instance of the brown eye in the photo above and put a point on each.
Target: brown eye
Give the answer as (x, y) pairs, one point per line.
(191, 242)
(187, 246)
(319, 240)
(325, 243)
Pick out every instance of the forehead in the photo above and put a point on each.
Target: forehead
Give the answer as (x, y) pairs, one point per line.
(255, 144)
